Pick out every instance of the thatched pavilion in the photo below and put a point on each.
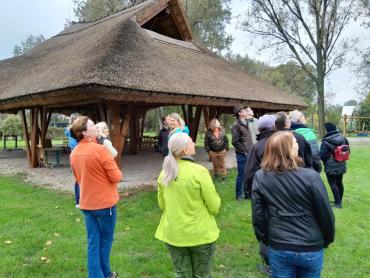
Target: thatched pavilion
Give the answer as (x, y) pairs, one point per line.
(119, 67)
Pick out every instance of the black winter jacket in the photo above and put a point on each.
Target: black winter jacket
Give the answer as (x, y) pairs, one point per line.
(328, 144)
(163, 140)
(291, 210)
(214, 144)
(241, 137)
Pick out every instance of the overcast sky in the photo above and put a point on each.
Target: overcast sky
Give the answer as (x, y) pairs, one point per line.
(20, 18)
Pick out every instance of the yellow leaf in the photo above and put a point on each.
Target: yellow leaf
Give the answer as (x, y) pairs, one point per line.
(78, 220)
(56, 234)
(42, 258)
(49, 242)
(56, 207)
(8, 242)
(127, 228)
(48, 261)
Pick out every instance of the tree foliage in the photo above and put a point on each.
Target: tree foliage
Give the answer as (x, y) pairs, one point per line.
(310, 31)
(11, 125)
(25, 46)
(208, 19)
(364, 111)
(289, 77)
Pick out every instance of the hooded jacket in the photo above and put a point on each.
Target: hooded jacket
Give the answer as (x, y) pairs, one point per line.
(329, 142)
(309, 135)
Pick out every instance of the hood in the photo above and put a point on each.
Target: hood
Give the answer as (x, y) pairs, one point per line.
(334, 138)
(296, 125)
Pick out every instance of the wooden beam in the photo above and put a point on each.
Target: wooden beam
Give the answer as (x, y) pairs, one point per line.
(184, 114)
(133, 129)
(26, 135)
(34, 137)
(114, 124)
(195, 124)
(206, 117)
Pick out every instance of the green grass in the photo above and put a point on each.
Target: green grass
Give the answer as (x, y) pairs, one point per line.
(10, 144)
(30, 216)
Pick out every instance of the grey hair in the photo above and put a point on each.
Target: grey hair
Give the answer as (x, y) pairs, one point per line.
(176, 145)
(101, 126)
(178, 118)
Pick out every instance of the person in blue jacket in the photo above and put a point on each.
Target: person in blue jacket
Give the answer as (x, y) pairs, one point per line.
(72, 143)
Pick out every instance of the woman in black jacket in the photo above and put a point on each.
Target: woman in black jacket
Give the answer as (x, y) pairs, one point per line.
(216, 144)
(334, 169)
(291, 210)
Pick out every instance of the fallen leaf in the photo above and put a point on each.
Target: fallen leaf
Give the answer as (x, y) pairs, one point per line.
(127, 228)
(8, 242)
(221, 266)
(56, 234)
(56, 207)
(42, 258)
(45, 249)
(48, 261)
(49, 242)
(78, 220)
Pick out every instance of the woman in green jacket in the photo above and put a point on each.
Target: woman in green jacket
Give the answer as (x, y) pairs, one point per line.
(189, 201)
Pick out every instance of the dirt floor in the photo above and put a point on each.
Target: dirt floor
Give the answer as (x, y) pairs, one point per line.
(138, 170)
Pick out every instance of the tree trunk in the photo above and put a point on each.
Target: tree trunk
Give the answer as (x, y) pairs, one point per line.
(321, 104)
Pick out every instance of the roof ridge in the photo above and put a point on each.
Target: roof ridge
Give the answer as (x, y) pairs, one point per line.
(104, 19)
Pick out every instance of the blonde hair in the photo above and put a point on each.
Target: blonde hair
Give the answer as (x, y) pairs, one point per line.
(212, 124)
(278, 155)
(101, 126)
(178, 118)
(176, 145)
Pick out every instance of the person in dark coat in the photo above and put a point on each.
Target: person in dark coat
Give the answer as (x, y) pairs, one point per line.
(163, 136)
(266, 127)
(291, 212)
(243, 143)
(216, 144)
(334, 170)
(283, 123)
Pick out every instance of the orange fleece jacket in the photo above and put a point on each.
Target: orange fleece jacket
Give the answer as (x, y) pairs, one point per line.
(97, 174)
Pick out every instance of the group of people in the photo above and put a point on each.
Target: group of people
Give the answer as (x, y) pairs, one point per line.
(278, 162)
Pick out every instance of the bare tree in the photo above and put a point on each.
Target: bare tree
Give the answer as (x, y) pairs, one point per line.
(309, 31)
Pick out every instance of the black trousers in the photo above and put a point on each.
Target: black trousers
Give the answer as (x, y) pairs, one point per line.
(336, 185)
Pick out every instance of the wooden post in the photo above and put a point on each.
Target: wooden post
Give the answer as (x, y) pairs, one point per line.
(345, 125)
(133, 129)
(34, 137)
(26, 135)
(142, 123)
(206, 117)
(195, 124)
(115, 125)
(184, 114)
(102, 112)
(44, 120)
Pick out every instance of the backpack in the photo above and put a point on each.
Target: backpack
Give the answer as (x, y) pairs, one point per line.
(340, 152)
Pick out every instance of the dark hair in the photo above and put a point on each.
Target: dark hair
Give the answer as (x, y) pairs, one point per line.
(78, 126)
(278, 155)
(280, 122)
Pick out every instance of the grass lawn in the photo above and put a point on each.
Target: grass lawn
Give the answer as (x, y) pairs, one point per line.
(36, 222)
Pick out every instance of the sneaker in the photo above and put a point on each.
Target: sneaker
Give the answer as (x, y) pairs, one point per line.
(239, 198)
(265, 269)
(77, 206)
(113, 274)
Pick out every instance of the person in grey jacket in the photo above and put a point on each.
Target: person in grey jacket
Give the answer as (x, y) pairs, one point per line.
(291, 212)
(243, 143)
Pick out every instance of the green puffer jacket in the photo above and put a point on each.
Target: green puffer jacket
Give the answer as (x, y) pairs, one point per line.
(189, 204)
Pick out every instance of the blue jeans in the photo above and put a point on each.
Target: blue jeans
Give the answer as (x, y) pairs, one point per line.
(77, 193)
(289, 264)
(100, 230)
(241, 160)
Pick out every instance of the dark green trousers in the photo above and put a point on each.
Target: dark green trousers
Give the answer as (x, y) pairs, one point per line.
(191, 262)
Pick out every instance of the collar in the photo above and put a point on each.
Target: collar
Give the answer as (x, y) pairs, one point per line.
(187, 158)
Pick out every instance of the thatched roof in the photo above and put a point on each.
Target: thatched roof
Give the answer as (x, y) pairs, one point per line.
(116, 55)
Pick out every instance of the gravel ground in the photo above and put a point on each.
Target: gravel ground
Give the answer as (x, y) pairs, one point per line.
(138, 170)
